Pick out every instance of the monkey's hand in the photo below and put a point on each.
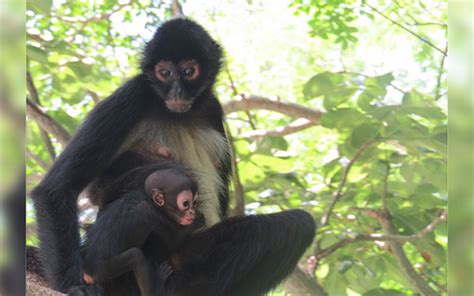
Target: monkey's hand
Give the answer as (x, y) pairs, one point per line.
(165, 270)
(85, 290)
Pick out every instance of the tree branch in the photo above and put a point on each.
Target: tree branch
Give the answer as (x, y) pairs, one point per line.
(176, 9)
(405, 28)
(35, 98)
(440, 217)
(298, 283)
(418, 282)
(95, 97)
(440, 73)
(37, 159)
(295, 126)
(46, 122)
(255, 102)
(337, 195)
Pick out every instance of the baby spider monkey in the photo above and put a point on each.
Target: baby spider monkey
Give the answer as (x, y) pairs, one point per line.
(165, 207)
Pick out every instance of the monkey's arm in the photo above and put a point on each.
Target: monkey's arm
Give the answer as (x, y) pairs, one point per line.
(89, 152)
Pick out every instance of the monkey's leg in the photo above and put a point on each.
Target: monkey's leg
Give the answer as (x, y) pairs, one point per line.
(245, 255)
(130, 260)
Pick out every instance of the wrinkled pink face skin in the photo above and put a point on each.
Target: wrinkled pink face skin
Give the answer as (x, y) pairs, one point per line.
(186, 205)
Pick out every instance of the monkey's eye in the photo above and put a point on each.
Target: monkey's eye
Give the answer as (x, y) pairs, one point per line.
(186, 204)
(188, 72)
(190, 69)
(165, 72)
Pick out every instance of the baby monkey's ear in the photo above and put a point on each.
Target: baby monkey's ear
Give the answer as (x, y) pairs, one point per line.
(158, 197)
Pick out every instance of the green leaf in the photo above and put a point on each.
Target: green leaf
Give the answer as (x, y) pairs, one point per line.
(362, 278)
(321, 84)
(415, 99)
(363, 134)
(344, 118)
(80, 69)
(338, 96)
(334, 283)
(266, 144)
(37, 54)
(376, 86)
(381, 81)
(364, 101)
(435, 171)
(273, 163)
(40, 6)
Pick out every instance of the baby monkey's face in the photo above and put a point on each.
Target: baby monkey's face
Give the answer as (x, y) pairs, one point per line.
(175, 193)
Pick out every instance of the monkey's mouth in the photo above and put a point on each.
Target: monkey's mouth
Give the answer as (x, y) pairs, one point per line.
(187, 221)
(178, 105)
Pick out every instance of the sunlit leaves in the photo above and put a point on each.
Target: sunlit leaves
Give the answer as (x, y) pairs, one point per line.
(41, 6)
(330, 19)
(342, 119)
(37, 54)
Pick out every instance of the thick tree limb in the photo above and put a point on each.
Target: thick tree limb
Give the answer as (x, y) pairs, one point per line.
(46, 122)
(298, 283)
(245, 103)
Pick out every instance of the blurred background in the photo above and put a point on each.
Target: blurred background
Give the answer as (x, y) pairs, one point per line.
(336, 107)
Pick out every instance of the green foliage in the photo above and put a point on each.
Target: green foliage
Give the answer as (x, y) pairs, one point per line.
(330, 19)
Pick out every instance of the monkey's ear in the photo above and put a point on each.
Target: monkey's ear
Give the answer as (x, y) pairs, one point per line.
(158, 197)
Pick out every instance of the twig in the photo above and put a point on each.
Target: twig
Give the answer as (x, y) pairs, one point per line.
(365, 75)
(337, 195)
(417, 281)
(440, 217)
(385, 189)
(176, 9)
(46, 122)
(35, 98)
(236, 93)
(86, 21)
(37, 159)
(293, 127)
(95, 97)
(440, 73)
(405, 28)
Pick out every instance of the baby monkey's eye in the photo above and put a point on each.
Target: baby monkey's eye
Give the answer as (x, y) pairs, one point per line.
(186, 204)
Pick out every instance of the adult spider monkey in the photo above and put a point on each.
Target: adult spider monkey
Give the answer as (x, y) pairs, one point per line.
(170, 103)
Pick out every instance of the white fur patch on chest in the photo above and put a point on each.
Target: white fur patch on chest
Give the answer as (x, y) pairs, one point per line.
(200, 148)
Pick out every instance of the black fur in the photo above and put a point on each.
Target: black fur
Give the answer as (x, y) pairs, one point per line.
(266, 248)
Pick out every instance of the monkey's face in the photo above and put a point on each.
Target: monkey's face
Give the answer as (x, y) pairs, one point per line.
(180, 207)
(186, 206)
(178, 84)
